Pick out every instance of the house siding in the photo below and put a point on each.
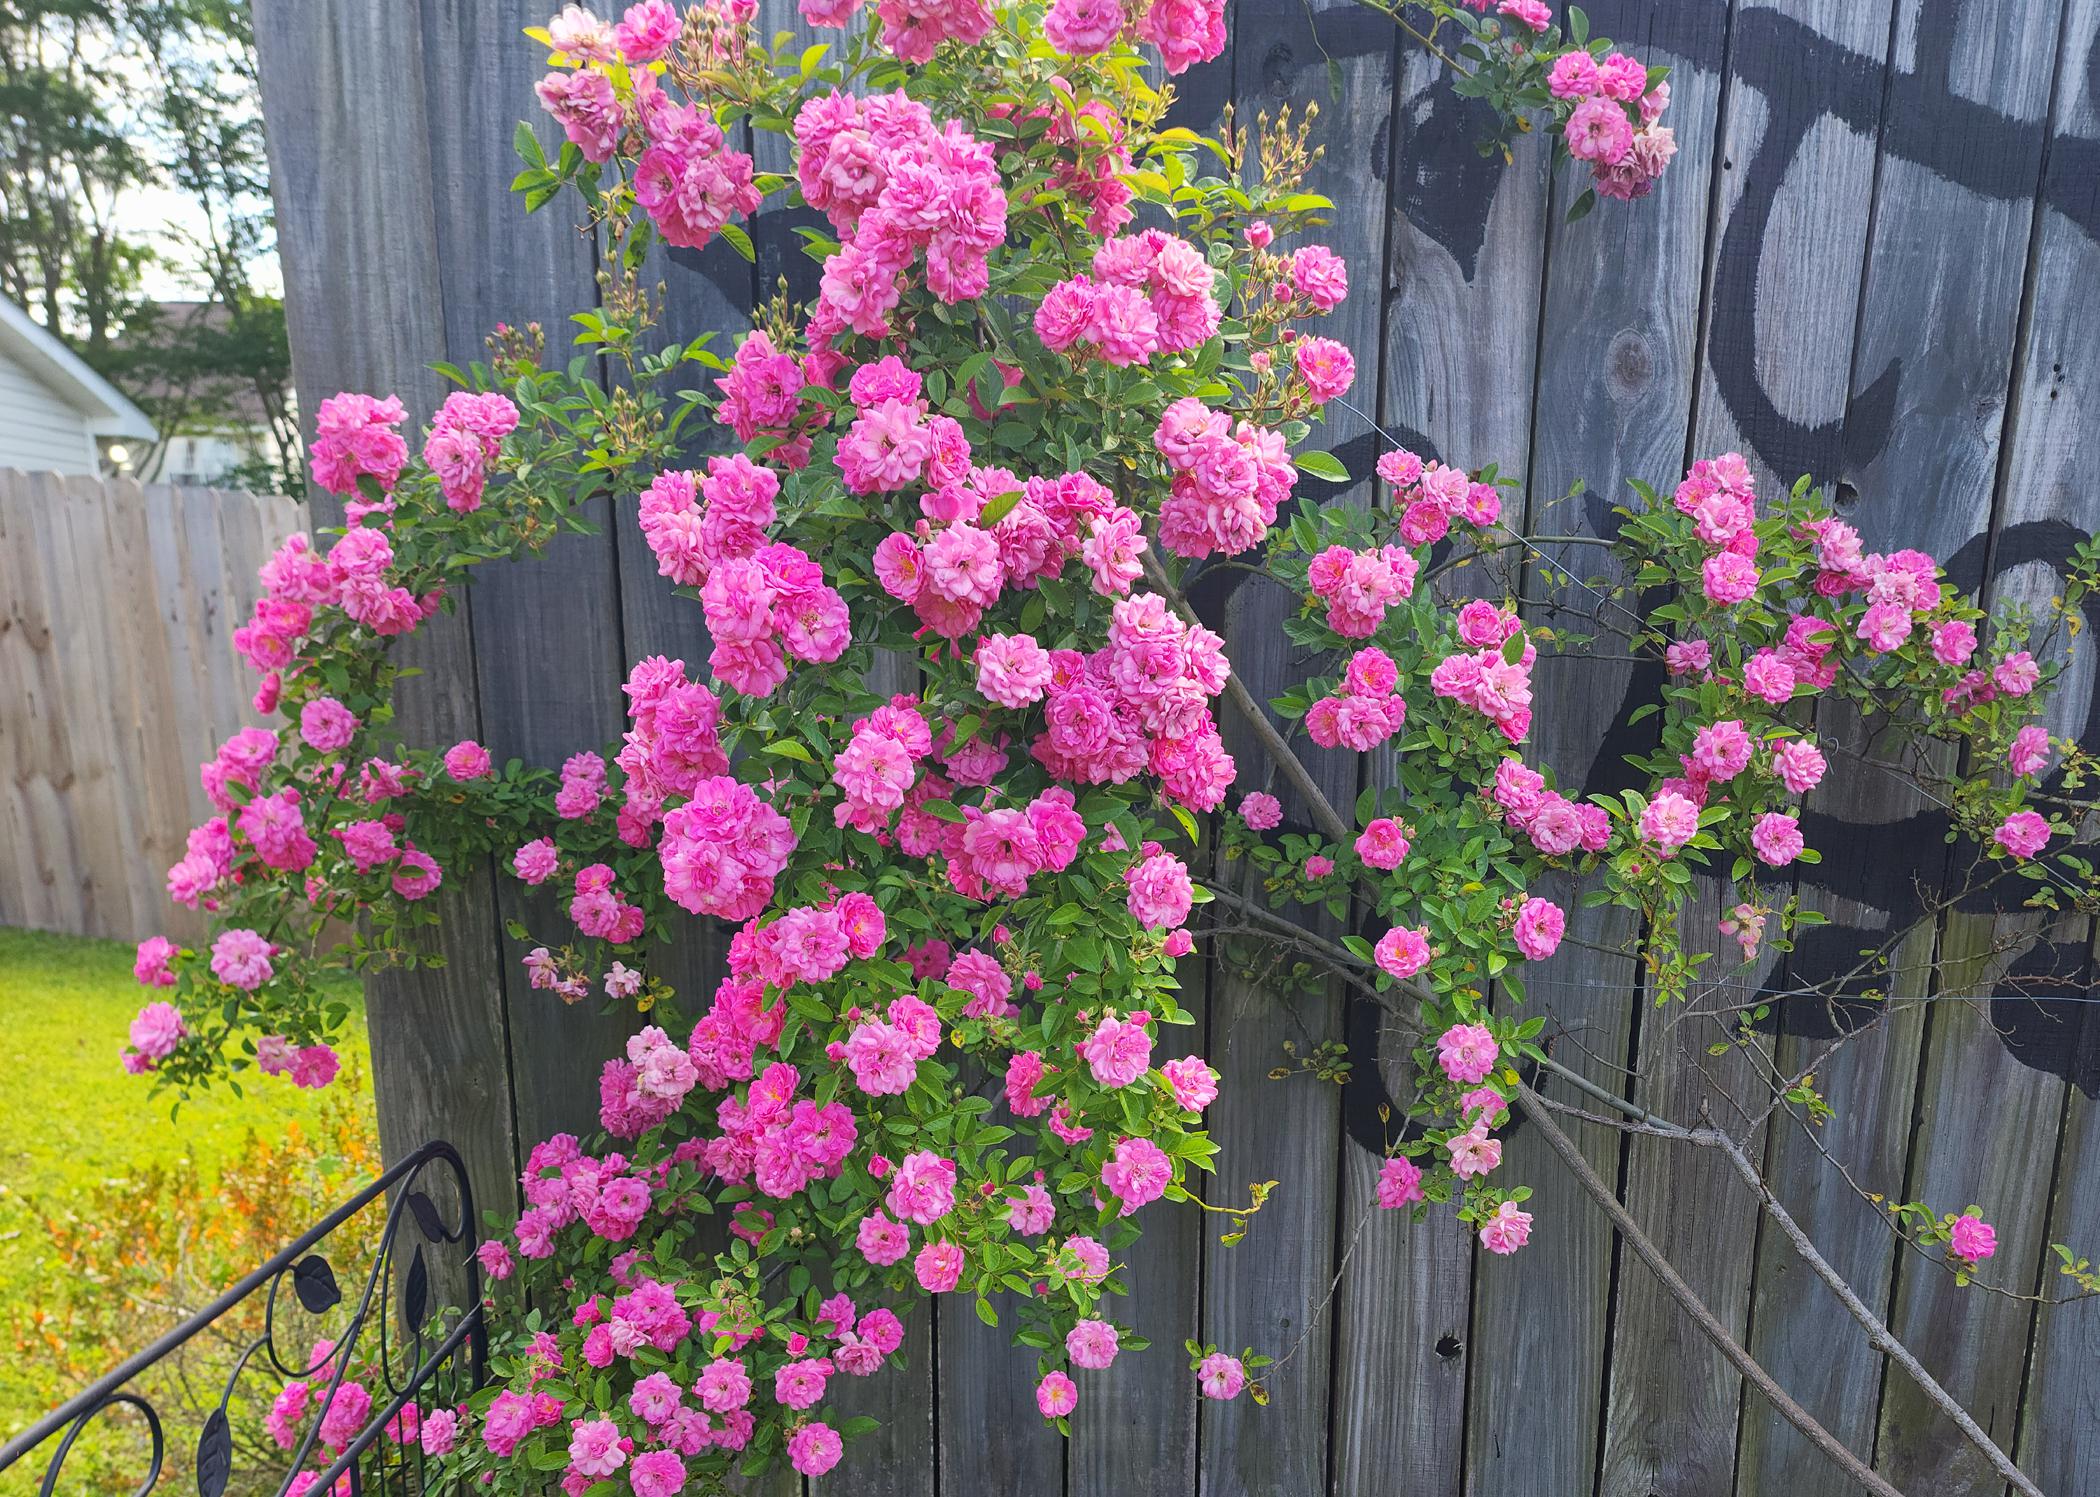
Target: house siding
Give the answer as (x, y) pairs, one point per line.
(39, 431)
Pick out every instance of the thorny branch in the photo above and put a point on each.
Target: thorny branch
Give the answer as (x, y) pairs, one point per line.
(1343, 963)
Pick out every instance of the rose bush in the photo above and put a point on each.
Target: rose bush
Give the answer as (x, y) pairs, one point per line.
(1060, 360)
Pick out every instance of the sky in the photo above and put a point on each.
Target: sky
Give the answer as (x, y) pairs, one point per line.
(163, 216)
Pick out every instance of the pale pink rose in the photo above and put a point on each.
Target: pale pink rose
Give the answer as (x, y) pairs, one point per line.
(1507, 1230)
(1091, 1344)
(1221, 1376)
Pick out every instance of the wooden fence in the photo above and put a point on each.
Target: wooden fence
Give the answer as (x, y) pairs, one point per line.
(1874, 260)
(118, 677)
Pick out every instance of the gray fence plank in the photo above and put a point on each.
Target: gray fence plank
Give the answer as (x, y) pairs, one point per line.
(1936, 277)
(1271, 1290)
(71, 544)
(1988, 1122)
(21, 885)
(547, 650)
(1618, 370)
(1460, 342)
(1793, 203)
(33, 753)
(359, 246)
(1134, 1433)
(1986, 1135)
(991, 1437)
(2053, 444)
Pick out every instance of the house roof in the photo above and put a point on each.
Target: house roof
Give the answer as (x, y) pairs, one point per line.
(107, 412)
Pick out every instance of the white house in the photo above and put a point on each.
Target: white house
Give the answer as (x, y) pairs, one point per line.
(56, 414)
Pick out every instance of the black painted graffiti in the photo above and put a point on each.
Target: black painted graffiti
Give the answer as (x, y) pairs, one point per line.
(1920, 119)
(1917, 115)
(2043, 1008)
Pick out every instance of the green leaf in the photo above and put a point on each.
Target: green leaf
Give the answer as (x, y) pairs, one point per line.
(740, 242)
(999, 507)
(1582, 206)
(526, 142)
(788, 748)
(1322, 465)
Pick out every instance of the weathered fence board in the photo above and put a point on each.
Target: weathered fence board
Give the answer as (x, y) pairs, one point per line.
(363, 241)
(1874, 260)
(117, 678)
(2052, 447)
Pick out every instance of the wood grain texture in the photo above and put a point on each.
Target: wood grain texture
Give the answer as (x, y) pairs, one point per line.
(115, 545)
(1614, 382)
(991, 1438)
(1459, 345)
(2050, 445)
(1794, 198)
(2059, 1446)
(39, 848)
(1934, 276)
(22, 639)
(1618, 368)
(357, 237)
(548, 658)
(1986, 1136)
(1272, 1290)
(1988, 1124)
(91, 796)
(115, 695)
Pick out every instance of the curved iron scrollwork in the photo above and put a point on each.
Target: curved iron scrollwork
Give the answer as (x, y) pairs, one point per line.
(413, 1340)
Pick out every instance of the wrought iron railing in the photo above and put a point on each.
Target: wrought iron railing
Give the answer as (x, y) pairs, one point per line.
(401, 1337)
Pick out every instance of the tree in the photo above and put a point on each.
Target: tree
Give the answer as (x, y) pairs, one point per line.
(205, 123)
(103, 99)
(71, 157)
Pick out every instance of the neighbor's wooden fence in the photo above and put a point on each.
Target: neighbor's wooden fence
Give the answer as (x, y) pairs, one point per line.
(1874, 260)
(118, 677)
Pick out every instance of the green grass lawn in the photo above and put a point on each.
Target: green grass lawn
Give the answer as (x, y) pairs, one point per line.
(69, 1115)
(71, 1119)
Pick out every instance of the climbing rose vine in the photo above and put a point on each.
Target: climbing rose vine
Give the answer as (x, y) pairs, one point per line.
(1060, 358)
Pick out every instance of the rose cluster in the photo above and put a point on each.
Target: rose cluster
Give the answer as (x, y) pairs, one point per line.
(1149, 293)
(895, 186)
(1229, 478)
(1613, 123)
(1366, 708)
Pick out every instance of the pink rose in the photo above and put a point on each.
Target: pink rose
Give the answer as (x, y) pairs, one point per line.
(2023, 834)
(1091, 1344)
(1402, 951)
(1467, 1052)
(1221, 1376)
(1972, 1239)
(1056, 1395)
(1507, 1230)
